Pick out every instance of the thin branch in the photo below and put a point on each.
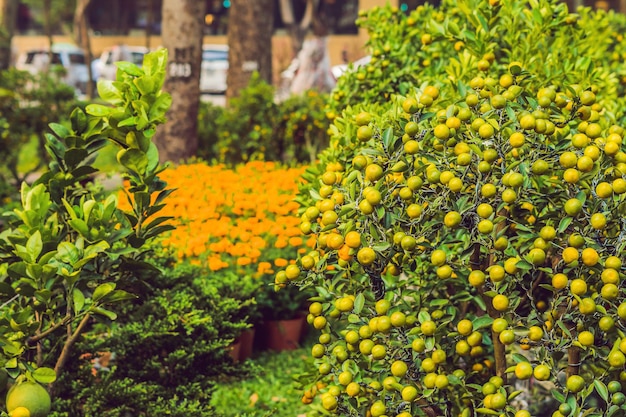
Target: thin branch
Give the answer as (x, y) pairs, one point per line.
(37, 337)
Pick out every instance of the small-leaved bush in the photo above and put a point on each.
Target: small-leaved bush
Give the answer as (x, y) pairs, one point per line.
(170, 347)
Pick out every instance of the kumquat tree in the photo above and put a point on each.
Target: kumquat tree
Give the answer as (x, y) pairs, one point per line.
(470, 228)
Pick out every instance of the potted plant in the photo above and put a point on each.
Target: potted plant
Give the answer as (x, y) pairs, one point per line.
(283, 315)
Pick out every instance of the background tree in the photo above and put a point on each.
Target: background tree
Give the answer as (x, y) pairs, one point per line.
(183, 24)
(250, 29)
(81, 37)
(8, 15)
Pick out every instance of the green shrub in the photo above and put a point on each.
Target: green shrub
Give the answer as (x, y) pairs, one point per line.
(253, 127)
(170, 348)
(28, 103)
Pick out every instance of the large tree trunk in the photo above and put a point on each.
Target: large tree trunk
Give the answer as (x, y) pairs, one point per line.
(250, 25)
(81, 36)
(8, 17)
(183, 24)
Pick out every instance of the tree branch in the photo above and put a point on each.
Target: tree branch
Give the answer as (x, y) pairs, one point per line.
(69, 342)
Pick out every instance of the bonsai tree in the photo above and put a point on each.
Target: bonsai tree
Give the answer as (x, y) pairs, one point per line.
(469, 230)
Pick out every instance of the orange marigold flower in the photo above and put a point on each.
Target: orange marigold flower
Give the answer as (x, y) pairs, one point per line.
(281, 262)
(243, 261)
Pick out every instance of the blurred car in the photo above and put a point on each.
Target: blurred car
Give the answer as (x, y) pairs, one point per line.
(214, 69)
(105, 65)
(339, 70)
(69, 57)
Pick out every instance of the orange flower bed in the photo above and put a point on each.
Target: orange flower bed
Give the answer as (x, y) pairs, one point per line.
(243, 218)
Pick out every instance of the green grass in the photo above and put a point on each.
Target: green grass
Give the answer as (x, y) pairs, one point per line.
(271, 390)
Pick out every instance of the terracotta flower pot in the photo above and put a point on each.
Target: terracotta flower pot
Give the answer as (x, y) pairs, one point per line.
(234, 350)
(283, 334)
(246, 340)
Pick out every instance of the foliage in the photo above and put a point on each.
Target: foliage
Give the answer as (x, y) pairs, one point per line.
(67, 250)
(240, 221)
(453, 38)
(27, 104)
(253, 127)
(469, 229)
(180, 328)
(271, 389)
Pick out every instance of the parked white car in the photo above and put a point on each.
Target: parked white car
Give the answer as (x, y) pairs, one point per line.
(106, 68)
(214, 69)
(70, 57)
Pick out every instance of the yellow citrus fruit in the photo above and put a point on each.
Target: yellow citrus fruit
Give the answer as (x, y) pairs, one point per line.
(476, 278)
(523, 370)
(452, 219)
(475, 338)
(586, 338)
(604, 190)
(496, 273)
(578, 286)
(488, 190)
(541, 372)
(613, 262)
(438, 257)
(569, 255)
(428, 327)
(366, 256)
(409, 393)
(510, 265)
(573, 206)
(29, 395)
(559, 281)
(610, 276)
(535, 333)
(575, 383)
(484, 210)
(616, 359)
(609, 291)
(590, 256)
(500, 302)
(465, 327)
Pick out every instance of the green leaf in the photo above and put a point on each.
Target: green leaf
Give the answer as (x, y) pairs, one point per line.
(79, 300)
(601, 389)
(160, 106)
(129, 68)
(564, 223)
(67, 253)
(104, 312)
(118, 295)
(482, 322)
(34, 245)
(44, 375)
(359, 302)
(98, 110)
(102, 290)
(109, 93)
(59, 130)
(78, 118)
(133, 159)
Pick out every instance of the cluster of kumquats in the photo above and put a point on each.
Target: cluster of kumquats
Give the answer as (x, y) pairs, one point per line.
(243, 219)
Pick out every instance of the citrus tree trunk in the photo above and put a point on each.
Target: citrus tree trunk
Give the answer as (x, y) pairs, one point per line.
(250, 26)
(183, 24)
(8, 16)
